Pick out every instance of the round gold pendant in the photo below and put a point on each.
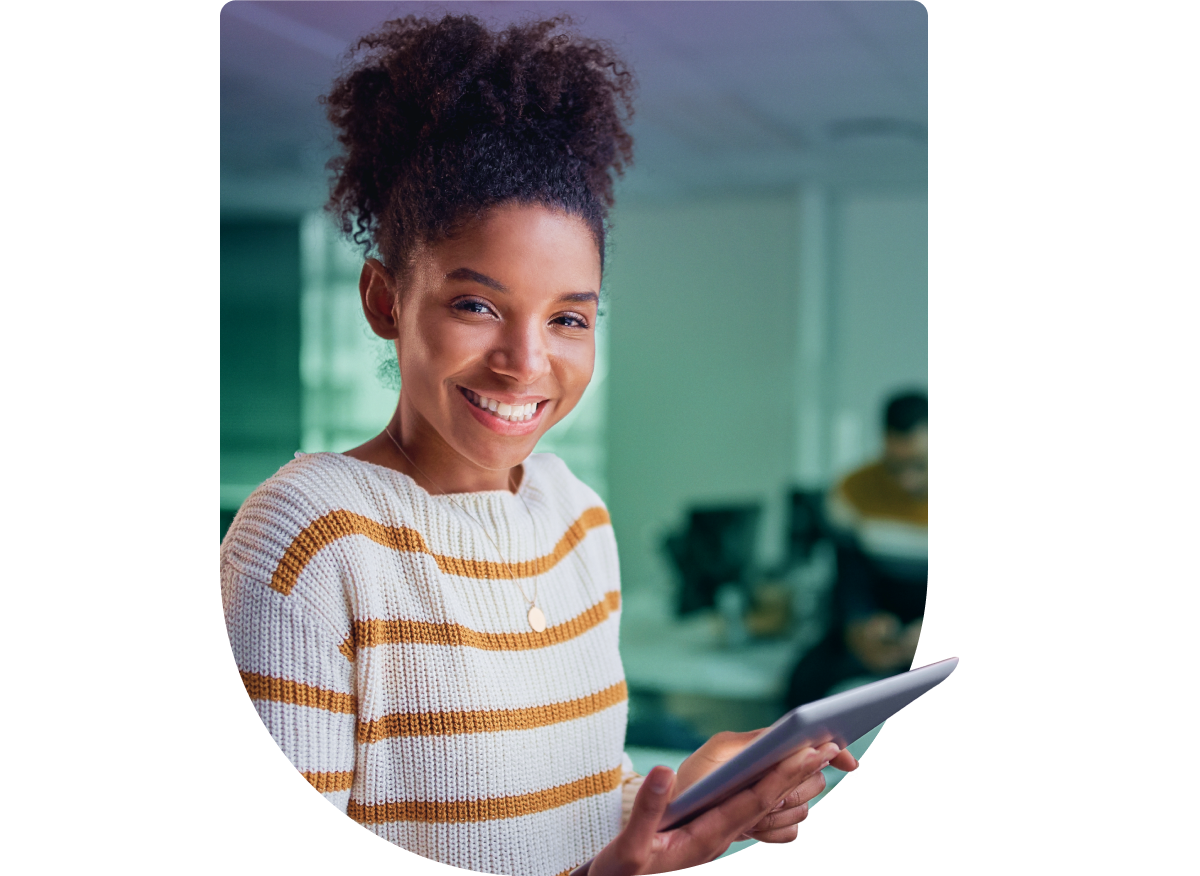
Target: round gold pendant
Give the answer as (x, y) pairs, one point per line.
(537, 620)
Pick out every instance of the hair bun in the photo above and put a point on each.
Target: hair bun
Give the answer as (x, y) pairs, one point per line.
(440, 119)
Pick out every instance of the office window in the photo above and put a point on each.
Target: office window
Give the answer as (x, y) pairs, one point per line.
(348, 375)
(260, 340)
(344, 399)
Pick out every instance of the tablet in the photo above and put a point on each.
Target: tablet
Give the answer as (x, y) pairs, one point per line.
(841, 718)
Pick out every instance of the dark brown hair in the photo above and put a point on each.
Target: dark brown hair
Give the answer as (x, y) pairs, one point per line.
(440, 120)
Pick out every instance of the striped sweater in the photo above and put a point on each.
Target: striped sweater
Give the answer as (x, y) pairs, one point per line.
(384, 642)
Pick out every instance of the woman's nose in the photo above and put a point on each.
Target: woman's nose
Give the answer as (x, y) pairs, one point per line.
(523, 355)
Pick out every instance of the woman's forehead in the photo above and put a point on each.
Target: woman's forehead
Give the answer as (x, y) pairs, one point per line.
(515, 247)
(525, 225)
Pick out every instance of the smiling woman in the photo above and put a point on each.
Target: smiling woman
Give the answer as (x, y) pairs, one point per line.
(427, 623)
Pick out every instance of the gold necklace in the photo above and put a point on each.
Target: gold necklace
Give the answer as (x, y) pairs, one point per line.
(535, 616)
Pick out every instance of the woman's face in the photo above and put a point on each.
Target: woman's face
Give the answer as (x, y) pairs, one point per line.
(496, 333)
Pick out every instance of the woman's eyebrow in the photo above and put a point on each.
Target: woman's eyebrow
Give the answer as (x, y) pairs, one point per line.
(476, 277)
(485, 280)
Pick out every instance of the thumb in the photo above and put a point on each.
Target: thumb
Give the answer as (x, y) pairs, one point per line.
(637, 839)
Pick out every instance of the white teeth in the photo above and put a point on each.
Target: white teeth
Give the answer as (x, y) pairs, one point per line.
(512, 413)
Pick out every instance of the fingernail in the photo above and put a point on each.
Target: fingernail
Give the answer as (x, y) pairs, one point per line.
(659, 781)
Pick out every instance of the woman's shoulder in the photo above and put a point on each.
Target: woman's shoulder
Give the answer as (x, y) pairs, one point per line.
(312, 490)
(320, 482)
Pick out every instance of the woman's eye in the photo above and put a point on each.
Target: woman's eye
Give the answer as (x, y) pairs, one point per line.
(471, 305)
(571, 320)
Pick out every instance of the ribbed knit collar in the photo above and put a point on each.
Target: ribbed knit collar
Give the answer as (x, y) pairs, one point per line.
(484, 503)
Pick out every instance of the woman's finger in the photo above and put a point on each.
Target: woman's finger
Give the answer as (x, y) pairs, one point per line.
(779, 837)
(794, 807)
(779, 820)
(808, 782)
(635, 844)
(711, 755)
(743, 810)
(805, 791)
(845, 761)
(634, 848)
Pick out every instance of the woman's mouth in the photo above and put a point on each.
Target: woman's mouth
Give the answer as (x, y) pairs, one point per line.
(520, 413)
(504, 418)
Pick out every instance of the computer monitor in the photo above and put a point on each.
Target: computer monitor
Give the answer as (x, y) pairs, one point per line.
(717, 548)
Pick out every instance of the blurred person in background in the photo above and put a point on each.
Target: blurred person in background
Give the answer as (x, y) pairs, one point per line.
(879, 517)
(427, 623)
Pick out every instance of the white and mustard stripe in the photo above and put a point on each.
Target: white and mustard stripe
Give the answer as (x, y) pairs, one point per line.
(385, 645)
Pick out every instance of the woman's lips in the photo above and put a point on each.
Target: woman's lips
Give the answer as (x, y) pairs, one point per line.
(501, 417)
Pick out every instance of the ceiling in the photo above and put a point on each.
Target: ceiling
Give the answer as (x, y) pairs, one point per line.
(732, 95)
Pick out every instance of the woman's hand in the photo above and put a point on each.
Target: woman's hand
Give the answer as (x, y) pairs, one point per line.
(778, 826)
(770, 808)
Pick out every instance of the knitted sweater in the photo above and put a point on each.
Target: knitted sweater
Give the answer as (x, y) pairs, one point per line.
(384, 642)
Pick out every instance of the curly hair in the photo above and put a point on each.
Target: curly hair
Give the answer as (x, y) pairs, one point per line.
(441, 120)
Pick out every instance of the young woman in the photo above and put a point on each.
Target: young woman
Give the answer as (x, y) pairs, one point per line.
(427, 623)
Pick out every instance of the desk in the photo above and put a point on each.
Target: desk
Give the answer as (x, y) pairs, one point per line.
(686, 684)
(673, 655)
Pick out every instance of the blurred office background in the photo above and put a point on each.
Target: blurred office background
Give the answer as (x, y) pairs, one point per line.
(766, 291)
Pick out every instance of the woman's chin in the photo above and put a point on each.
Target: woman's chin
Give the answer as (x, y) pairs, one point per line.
(495, 452)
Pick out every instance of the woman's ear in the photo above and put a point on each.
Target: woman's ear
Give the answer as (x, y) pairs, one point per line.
(379, 299)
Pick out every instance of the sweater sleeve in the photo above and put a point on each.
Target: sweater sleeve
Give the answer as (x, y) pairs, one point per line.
(292, 661)
(631, 783)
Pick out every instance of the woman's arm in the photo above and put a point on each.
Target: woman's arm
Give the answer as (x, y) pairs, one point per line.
(296, 669)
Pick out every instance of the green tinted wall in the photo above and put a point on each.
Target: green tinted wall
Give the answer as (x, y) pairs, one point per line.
(704, 310)
(260, 354)
(879, 332)
(702, 297)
